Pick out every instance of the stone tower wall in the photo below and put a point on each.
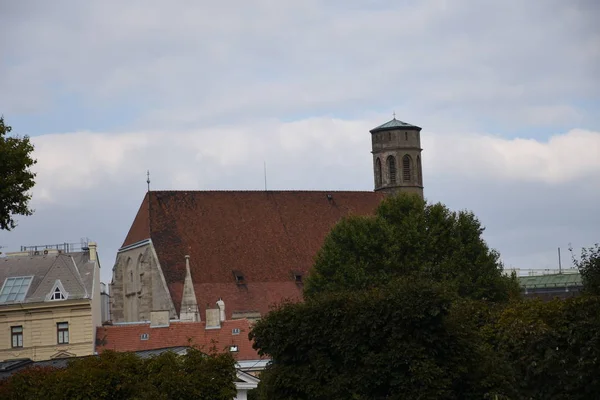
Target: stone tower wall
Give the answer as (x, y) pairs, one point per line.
(398, 143)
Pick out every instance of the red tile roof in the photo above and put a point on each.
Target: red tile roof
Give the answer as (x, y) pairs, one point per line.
(263, 234)
(127, 337)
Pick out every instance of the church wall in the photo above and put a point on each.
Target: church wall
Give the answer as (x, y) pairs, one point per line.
(397, 143)
(138, 287)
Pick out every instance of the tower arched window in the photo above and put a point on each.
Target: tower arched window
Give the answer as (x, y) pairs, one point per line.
(406, 168)
(378, 179)
(419, 171)
(391, 166)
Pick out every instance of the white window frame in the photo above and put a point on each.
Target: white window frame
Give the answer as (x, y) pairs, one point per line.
(57, 285)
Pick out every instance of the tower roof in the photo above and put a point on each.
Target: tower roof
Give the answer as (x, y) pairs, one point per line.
(395, 124)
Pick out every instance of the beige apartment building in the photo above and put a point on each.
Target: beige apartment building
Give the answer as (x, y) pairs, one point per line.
(50, 303)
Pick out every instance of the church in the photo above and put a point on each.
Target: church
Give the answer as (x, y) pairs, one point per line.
(247, 250)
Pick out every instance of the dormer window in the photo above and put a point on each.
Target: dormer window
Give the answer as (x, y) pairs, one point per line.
(239, 277)
(297, 275)
(58, 292)
(57, 295)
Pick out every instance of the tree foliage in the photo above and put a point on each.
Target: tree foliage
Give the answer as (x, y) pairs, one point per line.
(411, 303)
(115, 375)
(407, 340)
(589, 268)
(553, 347)
(16, 178)
(408, 237)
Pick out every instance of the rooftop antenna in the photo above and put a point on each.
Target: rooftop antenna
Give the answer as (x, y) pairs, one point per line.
(265, 170)
(148, 179)
(559, 262)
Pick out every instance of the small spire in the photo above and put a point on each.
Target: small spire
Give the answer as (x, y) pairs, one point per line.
(148, 179)
(394, 114)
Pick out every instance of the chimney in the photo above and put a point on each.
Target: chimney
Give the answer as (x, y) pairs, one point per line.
(93, 251)
(221, 305)
(213, 320)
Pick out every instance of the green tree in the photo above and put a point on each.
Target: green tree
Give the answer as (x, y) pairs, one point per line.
(408, 237)
(589, 268)
(553, 347)
(16, 178)
(402, 341)
(115, 375)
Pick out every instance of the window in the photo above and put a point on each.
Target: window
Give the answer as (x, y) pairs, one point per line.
(391, 163)
(377, 172)
(57, 294)
(389, 136)
(233, 348)
(235, 331)
(15, 289)
(419, 171)
(62, 332)
(406, 168)
(405, 135)
(16, 333)
(144, 336)
(239, 277)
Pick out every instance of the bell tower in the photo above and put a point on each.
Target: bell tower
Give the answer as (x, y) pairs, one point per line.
(397, 157)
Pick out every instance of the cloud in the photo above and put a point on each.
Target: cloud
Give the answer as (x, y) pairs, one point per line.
(564, 157)
(268, 60)
(299, 155)
(202, 94)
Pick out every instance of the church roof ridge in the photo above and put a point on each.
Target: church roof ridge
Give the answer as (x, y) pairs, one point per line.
(257, 191)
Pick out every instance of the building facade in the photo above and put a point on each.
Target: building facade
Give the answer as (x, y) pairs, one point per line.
(252, 249)
(49, 304)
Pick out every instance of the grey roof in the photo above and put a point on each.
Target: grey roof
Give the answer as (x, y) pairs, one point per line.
(394, 124)
(86, 269)
(74, 270)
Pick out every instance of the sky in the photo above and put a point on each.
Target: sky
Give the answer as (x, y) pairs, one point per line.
(204, 94)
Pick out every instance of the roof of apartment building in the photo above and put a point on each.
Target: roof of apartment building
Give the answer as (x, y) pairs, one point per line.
(36, 278)
(231, 336)
(250, 248)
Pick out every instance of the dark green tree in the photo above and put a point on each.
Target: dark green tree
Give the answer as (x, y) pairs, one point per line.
(408, 237)
(113, 375)
(409, 340)
(589, 268)
(16, 178)
(553, 347)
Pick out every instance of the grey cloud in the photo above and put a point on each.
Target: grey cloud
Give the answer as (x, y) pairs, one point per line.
(276, 58)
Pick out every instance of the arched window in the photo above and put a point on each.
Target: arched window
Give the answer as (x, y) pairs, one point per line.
(378, 172)
(419, 171)
(391, 164)
(406, 168)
